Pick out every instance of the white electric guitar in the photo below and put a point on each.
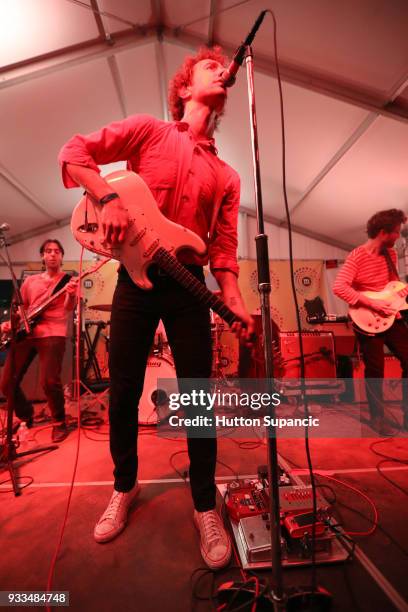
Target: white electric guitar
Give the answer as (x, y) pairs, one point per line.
(394, 295)
(151, 238)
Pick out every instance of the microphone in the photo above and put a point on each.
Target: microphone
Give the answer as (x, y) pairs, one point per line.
(228, 75)
(4, 227)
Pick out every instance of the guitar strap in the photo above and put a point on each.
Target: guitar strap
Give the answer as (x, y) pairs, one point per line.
(392, 270)
(61, 283)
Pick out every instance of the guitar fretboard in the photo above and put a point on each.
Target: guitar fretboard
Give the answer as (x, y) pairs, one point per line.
(176, 270)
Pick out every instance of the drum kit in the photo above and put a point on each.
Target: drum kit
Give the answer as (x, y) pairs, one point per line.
(160, 364)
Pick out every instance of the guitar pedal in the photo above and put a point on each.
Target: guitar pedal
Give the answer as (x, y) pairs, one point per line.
(299, 525)
(246, 498)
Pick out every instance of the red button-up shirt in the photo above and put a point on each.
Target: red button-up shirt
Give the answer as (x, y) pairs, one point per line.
(181, 172)
(54, 320)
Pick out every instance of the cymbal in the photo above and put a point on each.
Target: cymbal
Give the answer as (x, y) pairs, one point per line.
(101, 307)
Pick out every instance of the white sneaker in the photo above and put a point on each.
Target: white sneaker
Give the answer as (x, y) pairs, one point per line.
(114, 519)
(215, 542)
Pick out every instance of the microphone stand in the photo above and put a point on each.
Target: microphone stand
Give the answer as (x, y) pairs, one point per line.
(264, 288)
(9, 452)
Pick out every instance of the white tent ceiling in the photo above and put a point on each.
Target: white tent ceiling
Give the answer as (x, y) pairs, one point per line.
(70, 66)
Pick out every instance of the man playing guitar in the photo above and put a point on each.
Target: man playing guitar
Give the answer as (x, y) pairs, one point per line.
(178, 161)
(370, 267)
(47, 338)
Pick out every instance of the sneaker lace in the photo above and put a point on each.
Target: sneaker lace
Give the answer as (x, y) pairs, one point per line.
(211, 527)
(114, 505)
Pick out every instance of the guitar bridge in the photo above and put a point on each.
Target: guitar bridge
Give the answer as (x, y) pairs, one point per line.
(87, 228)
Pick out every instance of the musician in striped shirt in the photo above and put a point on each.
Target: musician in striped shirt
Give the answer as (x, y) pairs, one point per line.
(369, 267)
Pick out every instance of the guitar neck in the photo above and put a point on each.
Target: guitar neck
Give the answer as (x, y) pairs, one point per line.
(176, 270)
(39, 309)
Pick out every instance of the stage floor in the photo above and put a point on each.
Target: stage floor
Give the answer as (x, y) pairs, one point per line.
(149, 566)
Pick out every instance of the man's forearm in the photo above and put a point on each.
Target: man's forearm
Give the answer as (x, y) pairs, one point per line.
(90, 180)
(231, 294)
(228, 283)
(363, 300)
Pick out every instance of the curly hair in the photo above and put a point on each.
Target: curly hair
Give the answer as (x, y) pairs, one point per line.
(182, 78)
(385, 220)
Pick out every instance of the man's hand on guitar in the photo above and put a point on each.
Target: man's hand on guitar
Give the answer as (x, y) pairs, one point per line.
(72, 286)
(231, 295)
(115, 221)
(244, 331)
(382, 307)
(71, 289)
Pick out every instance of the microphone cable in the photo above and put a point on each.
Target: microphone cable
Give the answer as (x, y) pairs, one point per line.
(296, 304)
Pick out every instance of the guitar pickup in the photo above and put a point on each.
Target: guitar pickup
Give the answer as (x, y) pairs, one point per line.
(151, 248)
(138, 237)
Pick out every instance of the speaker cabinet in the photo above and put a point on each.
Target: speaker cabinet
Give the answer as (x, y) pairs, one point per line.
(345, 341)
(318, 349)
(318, 352)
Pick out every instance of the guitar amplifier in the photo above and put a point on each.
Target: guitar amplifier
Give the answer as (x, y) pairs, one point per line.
(344, 337)
(252, 362)
(318, 350)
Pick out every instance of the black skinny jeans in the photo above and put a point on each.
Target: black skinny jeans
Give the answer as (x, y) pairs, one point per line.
(50, 351)
(135, 315)
(372, 351)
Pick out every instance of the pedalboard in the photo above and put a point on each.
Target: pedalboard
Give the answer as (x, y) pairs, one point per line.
(247, 504)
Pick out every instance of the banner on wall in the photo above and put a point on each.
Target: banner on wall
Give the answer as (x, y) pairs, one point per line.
(98, 288)
(308, 280)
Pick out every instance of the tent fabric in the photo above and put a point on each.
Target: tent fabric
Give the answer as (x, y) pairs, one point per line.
(68, 69)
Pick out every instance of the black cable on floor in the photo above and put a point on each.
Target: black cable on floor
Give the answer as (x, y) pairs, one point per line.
(379, 527)
(387, 459)
(392, 482)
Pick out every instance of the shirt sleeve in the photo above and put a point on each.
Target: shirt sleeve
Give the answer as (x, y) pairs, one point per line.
(114, 142)
(224, 244)
(343, 284)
